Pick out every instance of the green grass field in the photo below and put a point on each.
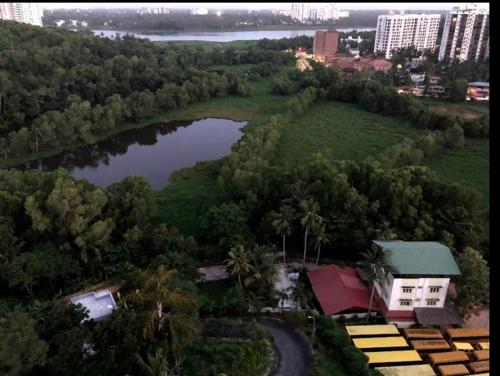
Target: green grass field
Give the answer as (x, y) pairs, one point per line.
(468, 166)
(340, 131)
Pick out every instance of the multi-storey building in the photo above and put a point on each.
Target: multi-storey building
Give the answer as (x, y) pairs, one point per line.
(325, 44)
(21, 12)
(419, 279)
(406, 30)
(466, 35)
(300, 11)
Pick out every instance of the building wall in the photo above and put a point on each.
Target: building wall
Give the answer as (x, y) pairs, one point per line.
(325, 43)
(419, 294)
(21, 12)
(400, 31)
(465, 35)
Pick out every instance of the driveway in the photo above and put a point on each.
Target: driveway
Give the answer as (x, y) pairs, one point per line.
(296, 358)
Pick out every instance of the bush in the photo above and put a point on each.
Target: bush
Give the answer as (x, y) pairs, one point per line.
(294, 318)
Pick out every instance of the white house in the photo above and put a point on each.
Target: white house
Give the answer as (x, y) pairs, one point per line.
(416, 290)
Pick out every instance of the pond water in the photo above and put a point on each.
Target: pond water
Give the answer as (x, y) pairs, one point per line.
(223, 36)
(154, 151)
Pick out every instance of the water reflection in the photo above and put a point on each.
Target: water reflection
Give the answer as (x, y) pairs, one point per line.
(154, 151)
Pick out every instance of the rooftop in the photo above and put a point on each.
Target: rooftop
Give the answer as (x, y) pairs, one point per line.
(98, 303)
(420, 258)
(480, 84)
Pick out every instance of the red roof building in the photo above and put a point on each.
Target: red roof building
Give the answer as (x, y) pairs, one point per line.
(340, 290)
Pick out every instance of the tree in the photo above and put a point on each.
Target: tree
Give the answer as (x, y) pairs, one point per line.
(320, 237)
(457, 90)
(473, 284)
(262, 270)
(167, 311)
(158, 365)
(309, 218)
(238, 261)
(282, 224)
(21, 349)
(300, 294)
(376, 268)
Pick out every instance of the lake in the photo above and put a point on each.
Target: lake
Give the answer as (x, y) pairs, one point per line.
(223, 36)
(154, 151)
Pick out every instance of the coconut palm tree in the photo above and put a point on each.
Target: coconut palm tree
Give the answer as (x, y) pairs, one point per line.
(376, 268)
(320, 237)
(167, 310)
(282, 223)
(262, 267)
(238, 261)
(299, 293)
(309, 219)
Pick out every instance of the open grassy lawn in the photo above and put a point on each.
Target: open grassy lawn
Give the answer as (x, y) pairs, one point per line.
(468, 166)
(340, 131)
(466, 110)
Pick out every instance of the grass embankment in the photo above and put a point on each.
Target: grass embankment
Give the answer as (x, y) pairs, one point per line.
(340, 131)
(236, 44)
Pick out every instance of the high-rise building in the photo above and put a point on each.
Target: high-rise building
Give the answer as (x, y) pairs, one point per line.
(21, 12)
(325, 44)
(466, 34)
(406, 30)
(300, 11)
(313, 14)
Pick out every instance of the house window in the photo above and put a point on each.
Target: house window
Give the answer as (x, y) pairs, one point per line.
(433, 289)
(432, 302)
(405, 302)
(407, 289)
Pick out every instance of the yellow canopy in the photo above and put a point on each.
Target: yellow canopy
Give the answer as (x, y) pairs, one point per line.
(379, 342)
(371, 330)
(463, 346)
(414, 370)
(393, 356)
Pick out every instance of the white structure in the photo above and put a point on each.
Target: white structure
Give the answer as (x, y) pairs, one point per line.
(98, 303)
(29, 13)
(200, 11)
(331, 12)
(300, 11)
(406, 30)
(420, 279)
(466, 34)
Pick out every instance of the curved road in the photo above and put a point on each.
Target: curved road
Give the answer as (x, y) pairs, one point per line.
(296, 358)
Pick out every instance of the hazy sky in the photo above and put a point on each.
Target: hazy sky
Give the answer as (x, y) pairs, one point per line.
(375, 6)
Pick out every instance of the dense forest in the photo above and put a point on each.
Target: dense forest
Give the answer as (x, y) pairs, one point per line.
(60, 235)
(59, 87)
(182, 20)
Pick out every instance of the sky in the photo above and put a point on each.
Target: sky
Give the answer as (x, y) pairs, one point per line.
(255, 6)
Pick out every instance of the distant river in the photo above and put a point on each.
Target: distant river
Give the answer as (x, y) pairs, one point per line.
(225, 36)
(154, 151)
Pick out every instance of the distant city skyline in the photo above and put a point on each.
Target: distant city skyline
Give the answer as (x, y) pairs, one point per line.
(257, 6)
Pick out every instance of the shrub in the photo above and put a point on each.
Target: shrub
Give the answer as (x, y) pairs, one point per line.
(294, 318)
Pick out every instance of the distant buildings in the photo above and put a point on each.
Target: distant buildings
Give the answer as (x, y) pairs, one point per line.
(466, 35)
(155, 10)
(304, 12)
(29, 13)
(199, 11)
(406, 30)
(325, 43)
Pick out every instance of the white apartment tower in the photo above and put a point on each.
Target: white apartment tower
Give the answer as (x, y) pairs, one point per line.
(466, 35)
(406, 30)
(21, 12)
(300, 11)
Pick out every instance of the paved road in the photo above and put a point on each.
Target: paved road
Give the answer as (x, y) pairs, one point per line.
(295, 354)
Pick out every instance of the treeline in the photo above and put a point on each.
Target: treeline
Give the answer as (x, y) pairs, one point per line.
(46, 71)
(376, 97)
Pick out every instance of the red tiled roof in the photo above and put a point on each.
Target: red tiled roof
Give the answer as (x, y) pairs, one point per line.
(339, 290)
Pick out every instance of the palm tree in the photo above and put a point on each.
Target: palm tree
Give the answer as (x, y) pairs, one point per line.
(165, 308)
(158, 365)
(320, 237)
(310, 219)
(238, 261)
(299, 294)
(282, 223)
(262, 267)
(376, 268)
